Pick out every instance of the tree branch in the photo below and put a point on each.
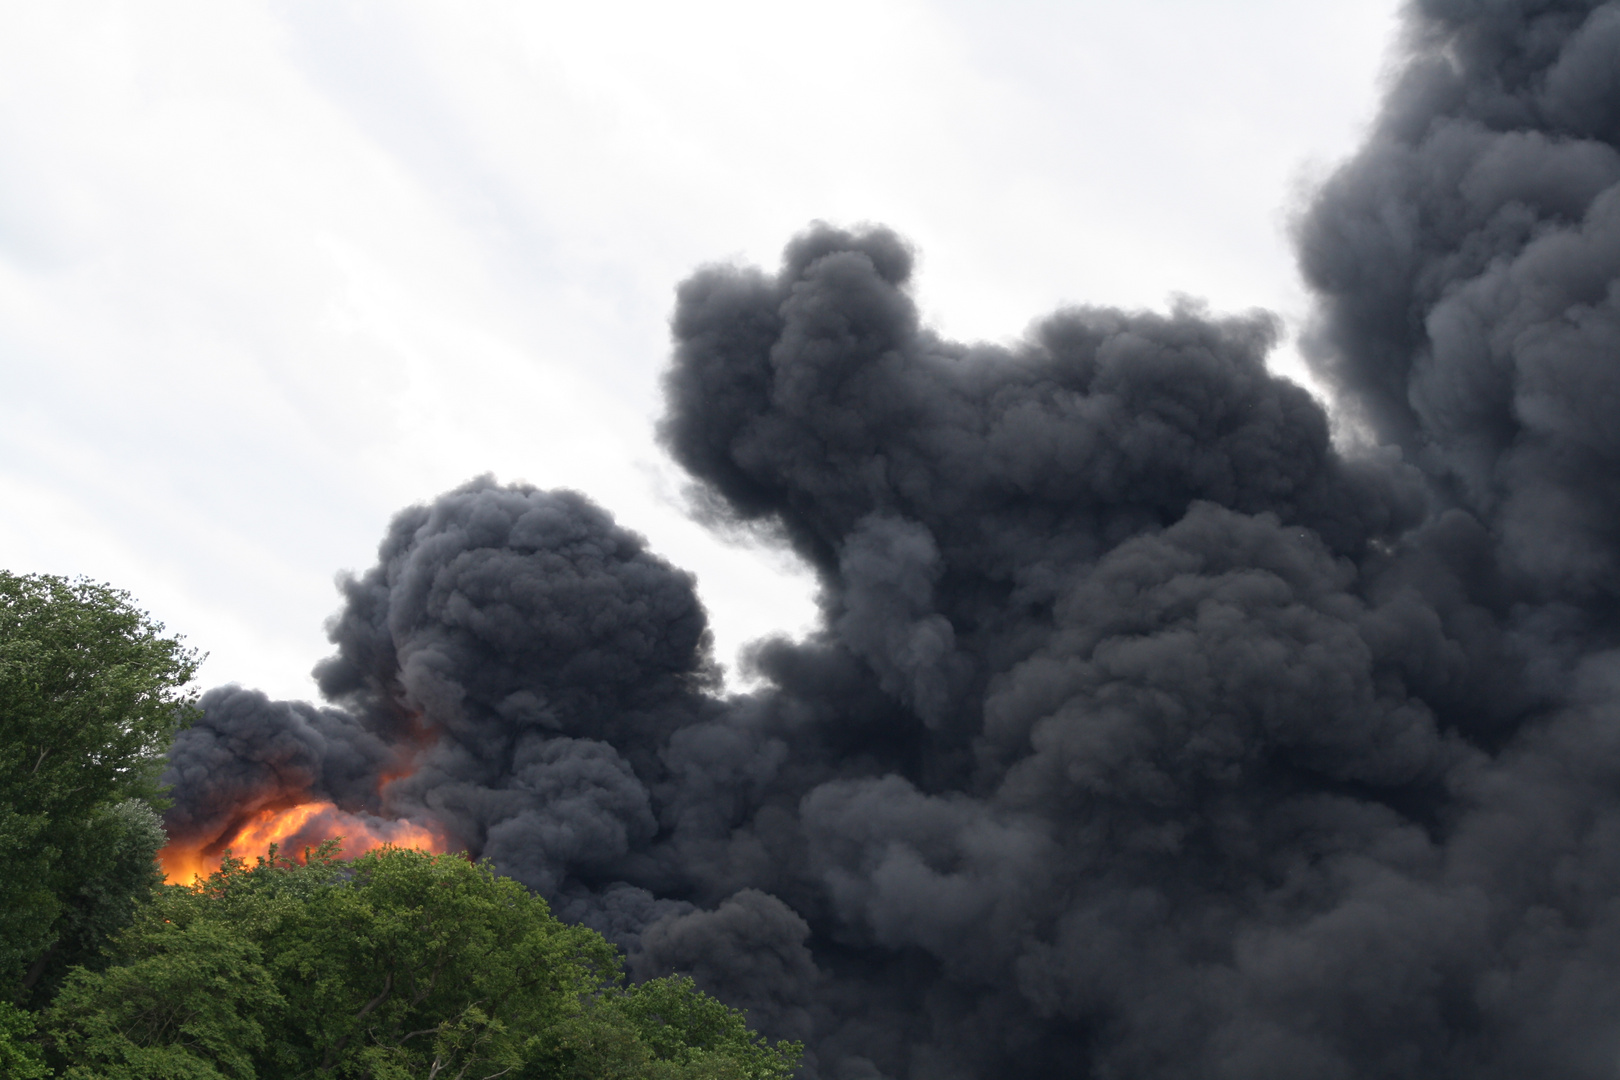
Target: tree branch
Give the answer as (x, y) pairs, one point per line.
(365, 1010)
(37, 968)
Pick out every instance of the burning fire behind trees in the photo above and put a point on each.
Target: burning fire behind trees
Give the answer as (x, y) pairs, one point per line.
(280, 790)
(1147, 732)
(293, 829)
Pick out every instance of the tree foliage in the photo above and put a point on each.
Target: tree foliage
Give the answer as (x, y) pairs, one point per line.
(20, 1057)
(397, 965)
(91, 694)
(188, 1003)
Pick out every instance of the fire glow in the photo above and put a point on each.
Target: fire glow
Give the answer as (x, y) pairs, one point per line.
(293, 828)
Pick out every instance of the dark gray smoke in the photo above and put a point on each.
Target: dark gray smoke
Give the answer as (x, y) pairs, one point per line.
(1467, 262)
(249, 753)
(1148, 734)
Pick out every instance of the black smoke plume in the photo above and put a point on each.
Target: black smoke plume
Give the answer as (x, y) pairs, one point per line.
(1148, 733)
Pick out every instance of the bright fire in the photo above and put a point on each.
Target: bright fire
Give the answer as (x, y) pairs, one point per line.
(292, 829)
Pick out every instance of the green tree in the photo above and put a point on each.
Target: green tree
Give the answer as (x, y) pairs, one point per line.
(397, 965)
(665, 1029)
(190, 1003)
(20, 1058)
(684, 1026)
(420, 965)
(91, 695)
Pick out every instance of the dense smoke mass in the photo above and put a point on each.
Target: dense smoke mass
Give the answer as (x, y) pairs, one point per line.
(1148, 733)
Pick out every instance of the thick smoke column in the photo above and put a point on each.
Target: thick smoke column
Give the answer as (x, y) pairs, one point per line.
(1147, 734)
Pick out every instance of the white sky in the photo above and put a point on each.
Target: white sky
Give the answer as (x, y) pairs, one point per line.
(271, 271)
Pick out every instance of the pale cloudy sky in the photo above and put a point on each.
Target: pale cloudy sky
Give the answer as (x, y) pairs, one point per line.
(271, 271)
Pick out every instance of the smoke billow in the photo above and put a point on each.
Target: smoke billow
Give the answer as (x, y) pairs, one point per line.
(1147, 733)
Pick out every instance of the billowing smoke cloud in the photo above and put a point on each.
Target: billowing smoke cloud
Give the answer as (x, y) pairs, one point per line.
(248, 753)
(1467, 260)
(1147, 734)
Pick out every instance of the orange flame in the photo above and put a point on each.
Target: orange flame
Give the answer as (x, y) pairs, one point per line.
(292, 829)
(293, 825)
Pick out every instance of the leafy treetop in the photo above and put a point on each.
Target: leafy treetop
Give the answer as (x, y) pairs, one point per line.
(397, 965)
(91, 695)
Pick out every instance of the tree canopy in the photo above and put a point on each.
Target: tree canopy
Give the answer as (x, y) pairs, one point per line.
(91, 694)
(396, 965)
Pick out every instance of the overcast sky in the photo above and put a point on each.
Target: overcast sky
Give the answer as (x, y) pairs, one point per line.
(271, 271)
